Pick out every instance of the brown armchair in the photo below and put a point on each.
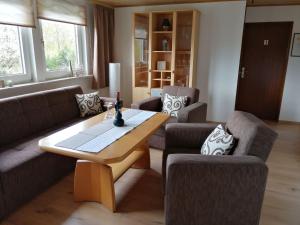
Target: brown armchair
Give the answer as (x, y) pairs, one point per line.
(214, 190)
(194, 112)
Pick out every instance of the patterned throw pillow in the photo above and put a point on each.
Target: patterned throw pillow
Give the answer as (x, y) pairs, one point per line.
(219, 142)
(172, 104)
(89, 104)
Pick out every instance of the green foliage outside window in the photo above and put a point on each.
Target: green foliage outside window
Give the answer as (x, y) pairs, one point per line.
(60, 45)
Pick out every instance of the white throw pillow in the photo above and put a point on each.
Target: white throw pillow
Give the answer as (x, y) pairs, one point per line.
(219, 142)
(89, 104)
(172, 104)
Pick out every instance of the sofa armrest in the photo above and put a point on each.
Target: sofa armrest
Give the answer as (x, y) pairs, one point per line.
(150, 104)
(194, 113)
(214, 189)
(187, 135)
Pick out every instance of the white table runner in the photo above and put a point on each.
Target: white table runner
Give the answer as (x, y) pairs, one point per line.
(98, 137)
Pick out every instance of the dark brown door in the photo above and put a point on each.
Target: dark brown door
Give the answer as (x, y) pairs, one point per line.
(263, 65)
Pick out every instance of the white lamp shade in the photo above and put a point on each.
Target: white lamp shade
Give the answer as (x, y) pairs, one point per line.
(114, 79)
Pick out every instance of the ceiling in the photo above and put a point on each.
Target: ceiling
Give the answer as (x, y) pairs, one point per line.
(124, 3)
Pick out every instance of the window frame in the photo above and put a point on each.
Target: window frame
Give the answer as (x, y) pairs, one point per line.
(80, 48)
(25, 50)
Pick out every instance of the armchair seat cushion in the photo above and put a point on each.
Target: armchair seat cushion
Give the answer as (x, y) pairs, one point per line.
(162, 130)
(157, 140)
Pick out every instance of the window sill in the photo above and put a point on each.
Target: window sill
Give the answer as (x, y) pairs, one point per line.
(20, 89)
(47, 81)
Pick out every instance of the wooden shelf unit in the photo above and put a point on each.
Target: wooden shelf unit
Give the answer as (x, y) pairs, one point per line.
(177, 46)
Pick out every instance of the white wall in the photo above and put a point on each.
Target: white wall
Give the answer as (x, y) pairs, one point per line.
(85, 82)
(290, 108)
(221, 28)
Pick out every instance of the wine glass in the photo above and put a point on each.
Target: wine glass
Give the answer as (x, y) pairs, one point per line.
(109, 110)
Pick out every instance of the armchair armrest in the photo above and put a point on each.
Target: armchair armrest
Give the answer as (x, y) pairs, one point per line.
(194, 113)
(214, 190)
(184, 138)
(150, 104)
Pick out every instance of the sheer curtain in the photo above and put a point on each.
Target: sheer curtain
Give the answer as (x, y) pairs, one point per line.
(103, 45)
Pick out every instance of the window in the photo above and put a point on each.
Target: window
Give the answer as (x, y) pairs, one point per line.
(11, 61)
(62, 46)
(12, 53)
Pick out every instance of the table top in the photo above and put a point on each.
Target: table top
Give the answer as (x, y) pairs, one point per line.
(115, 152)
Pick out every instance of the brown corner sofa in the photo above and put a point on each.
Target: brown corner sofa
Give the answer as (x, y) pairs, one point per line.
(215, 190)
(25, 170)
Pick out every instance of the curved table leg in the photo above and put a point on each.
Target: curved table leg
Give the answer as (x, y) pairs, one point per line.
(94, 182)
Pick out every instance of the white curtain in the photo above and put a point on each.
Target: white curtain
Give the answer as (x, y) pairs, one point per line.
(68, 11)
(17, 12)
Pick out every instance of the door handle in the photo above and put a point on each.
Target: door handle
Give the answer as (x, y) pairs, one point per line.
(243, 72)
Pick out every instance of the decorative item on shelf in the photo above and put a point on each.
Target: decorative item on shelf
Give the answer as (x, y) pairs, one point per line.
(165, 44)
(161, 65)
(118, 122)
(9, 83)
(166, 25)
(2, 84)
(80, 71)
(143, 81)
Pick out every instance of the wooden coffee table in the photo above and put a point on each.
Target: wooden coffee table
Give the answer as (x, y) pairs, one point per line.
(96, 173)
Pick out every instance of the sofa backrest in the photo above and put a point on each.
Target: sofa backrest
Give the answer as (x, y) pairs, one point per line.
(192, 93)
(28, 114)
(254, 136)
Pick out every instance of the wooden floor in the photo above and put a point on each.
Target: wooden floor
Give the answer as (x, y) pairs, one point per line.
(140, 201)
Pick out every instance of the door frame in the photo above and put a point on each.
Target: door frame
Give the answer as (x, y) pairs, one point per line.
(283, 76)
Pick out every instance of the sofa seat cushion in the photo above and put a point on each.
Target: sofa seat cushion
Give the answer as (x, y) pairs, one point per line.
(25, 170)
(12, 156)
(25, 180)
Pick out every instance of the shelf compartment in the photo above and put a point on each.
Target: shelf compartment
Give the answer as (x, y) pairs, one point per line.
(162, 51)
(183, 52)
(157, 20)
(165, 83)
(162, 32)
(157, 42)
(161, 71)
(156, 84)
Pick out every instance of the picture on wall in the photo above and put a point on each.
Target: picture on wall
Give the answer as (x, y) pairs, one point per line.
(296, 45)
